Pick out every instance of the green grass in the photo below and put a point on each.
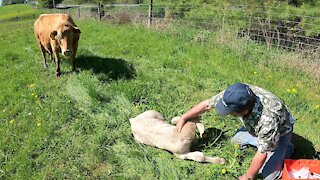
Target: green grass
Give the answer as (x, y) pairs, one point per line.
(76, 126)
(22, 11)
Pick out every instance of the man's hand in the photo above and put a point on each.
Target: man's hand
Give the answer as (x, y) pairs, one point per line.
(180, 124)
(245, 177)
(193, 112)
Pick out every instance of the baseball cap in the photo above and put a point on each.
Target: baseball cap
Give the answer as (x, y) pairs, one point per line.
(235, 98)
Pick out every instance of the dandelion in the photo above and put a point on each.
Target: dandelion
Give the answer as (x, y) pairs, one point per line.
(38, 124)
(31, 85)
(288, 90)
(12, 121)
(294, 90)
(223, 171)
(33, 94)
(255, 73)
(270, 76)
(297, 85)
(236, 146)
(317, 107)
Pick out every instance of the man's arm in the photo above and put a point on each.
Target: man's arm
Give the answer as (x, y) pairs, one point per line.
(193, 112)
(257, 162)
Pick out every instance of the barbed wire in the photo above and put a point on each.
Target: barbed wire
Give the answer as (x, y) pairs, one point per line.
(280, 26)
(253, 11)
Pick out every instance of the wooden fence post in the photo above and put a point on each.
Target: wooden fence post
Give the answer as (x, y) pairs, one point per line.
(150, 14)
(78, 12)
(99, 10)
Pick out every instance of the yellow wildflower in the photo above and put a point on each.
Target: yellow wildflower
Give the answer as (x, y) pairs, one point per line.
(31, 85)
(38, 124)
(12, 121)
(294, 90)
(317, 107)
(33, 94)
(255, 73)
(297, 85)
(236, 146)
(223, 171)
(236, 154)
(288, 90)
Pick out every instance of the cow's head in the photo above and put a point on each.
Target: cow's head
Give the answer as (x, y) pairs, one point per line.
(65, 36)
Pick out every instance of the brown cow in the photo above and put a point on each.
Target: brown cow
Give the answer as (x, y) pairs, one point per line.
(57, 33)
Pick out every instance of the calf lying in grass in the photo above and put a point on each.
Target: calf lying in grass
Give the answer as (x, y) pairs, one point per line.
(151, 129)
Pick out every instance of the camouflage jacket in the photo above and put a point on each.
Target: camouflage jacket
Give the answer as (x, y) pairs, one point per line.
(269, 120)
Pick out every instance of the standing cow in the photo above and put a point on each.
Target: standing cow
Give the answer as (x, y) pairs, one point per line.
(57, 33)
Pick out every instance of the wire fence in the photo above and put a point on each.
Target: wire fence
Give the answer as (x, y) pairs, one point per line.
(274, 26)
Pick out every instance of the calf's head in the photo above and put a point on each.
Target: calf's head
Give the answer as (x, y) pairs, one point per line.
(64, 36)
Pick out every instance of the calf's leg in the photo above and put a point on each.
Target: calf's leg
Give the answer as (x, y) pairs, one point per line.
(200, 157)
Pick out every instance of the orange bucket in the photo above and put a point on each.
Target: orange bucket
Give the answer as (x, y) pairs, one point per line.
(290, 164)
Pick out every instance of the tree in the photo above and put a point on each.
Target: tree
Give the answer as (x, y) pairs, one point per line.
(7, 2)
(49, 3)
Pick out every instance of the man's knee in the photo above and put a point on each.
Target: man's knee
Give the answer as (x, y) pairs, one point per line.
(244, 138)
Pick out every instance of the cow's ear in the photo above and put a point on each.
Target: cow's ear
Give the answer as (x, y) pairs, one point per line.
(53, 35)
(76, 30)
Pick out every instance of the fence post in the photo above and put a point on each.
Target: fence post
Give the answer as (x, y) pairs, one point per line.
(54, 5)
(99, 17)
(78, 12)
(150, 14)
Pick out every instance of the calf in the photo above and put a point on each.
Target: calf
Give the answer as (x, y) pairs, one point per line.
(151, 129)
(57, 33)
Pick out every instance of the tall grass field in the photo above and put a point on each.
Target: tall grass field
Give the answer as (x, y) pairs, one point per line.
(77, 126)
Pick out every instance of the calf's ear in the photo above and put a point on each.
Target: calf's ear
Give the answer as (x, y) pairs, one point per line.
(76, 30)
(200, 127)
(53, 35)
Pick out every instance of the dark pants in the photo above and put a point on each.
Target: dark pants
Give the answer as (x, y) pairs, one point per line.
(272, 168)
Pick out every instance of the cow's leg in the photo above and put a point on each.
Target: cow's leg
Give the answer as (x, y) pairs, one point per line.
(43, 51)
(200, 157)
(72, 62)
(51, 57)
(74, 49)
(57, 57)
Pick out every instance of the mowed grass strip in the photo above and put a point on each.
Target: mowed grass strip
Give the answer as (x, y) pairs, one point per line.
(76, 126)
(18, 11)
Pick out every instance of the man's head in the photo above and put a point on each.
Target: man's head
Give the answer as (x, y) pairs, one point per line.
(238, 100)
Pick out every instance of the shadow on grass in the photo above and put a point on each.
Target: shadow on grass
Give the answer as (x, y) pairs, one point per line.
(106, 69)
(210, 137)
(303, 148)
